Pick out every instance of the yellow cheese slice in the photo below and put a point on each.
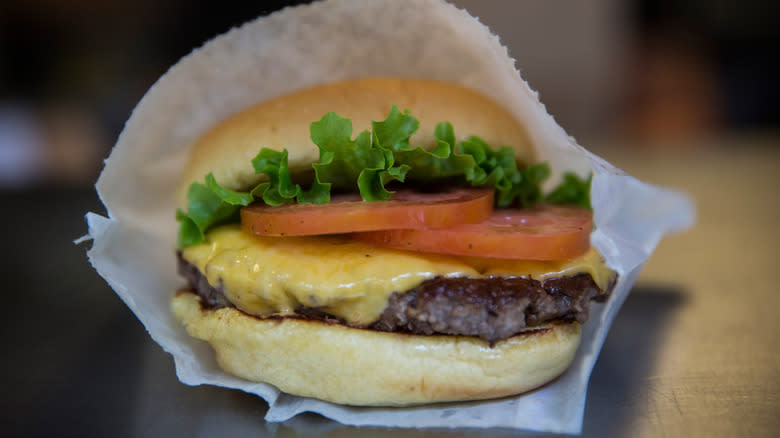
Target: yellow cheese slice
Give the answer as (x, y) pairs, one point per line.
(345, 278)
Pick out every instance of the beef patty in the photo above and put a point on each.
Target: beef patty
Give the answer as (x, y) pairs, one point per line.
(492, 308)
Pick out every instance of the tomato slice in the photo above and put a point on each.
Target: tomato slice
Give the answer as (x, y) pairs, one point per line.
(544, 232)
(349, 213)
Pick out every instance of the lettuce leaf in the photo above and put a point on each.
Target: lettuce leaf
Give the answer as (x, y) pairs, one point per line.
(572, 191)
(369, 162)
(209, 205)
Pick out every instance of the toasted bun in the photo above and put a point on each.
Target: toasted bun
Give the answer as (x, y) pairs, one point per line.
(352, 366)
(284, 122)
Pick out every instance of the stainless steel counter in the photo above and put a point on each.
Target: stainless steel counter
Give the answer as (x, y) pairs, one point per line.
(693, 352)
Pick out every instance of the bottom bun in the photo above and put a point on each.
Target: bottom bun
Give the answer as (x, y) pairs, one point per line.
(353, 366)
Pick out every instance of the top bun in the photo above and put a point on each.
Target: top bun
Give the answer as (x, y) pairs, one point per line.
(283, 123)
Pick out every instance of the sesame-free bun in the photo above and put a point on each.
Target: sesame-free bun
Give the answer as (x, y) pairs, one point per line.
(283, 122)
(352, 366)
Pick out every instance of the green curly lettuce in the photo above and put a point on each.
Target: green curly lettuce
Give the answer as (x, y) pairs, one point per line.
(369, 162)
(572, 191)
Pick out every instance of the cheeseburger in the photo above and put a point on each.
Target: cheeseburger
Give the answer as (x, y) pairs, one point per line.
(384, 242)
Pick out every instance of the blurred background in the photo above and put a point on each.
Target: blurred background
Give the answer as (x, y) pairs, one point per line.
(639, 73)
(680, 93)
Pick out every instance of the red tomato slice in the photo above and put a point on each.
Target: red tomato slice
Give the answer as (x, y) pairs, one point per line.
(545, 232)
(349, 213)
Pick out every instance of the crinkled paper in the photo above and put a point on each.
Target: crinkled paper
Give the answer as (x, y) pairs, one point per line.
(133, 249)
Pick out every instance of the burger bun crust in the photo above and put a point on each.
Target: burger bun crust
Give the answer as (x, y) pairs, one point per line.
(284, 123)
(341, 364)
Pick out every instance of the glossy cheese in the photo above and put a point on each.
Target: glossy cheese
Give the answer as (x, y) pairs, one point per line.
(345, 278)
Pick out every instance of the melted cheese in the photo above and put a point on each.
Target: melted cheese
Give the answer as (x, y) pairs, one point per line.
(345, 278)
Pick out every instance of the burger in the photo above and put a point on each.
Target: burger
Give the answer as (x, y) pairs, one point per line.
(342, 242)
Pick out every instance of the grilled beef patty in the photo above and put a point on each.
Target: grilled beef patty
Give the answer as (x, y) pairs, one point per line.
(491, 308)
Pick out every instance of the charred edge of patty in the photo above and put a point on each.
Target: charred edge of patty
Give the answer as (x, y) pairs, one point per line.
(492, 308)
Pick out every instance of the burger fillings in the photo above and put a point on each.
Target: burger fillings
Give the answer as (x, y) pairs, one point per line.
(334, 317)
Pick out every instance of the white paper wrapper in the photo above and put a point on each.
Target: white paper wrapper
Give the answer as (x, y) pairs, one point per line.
(333, 40)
